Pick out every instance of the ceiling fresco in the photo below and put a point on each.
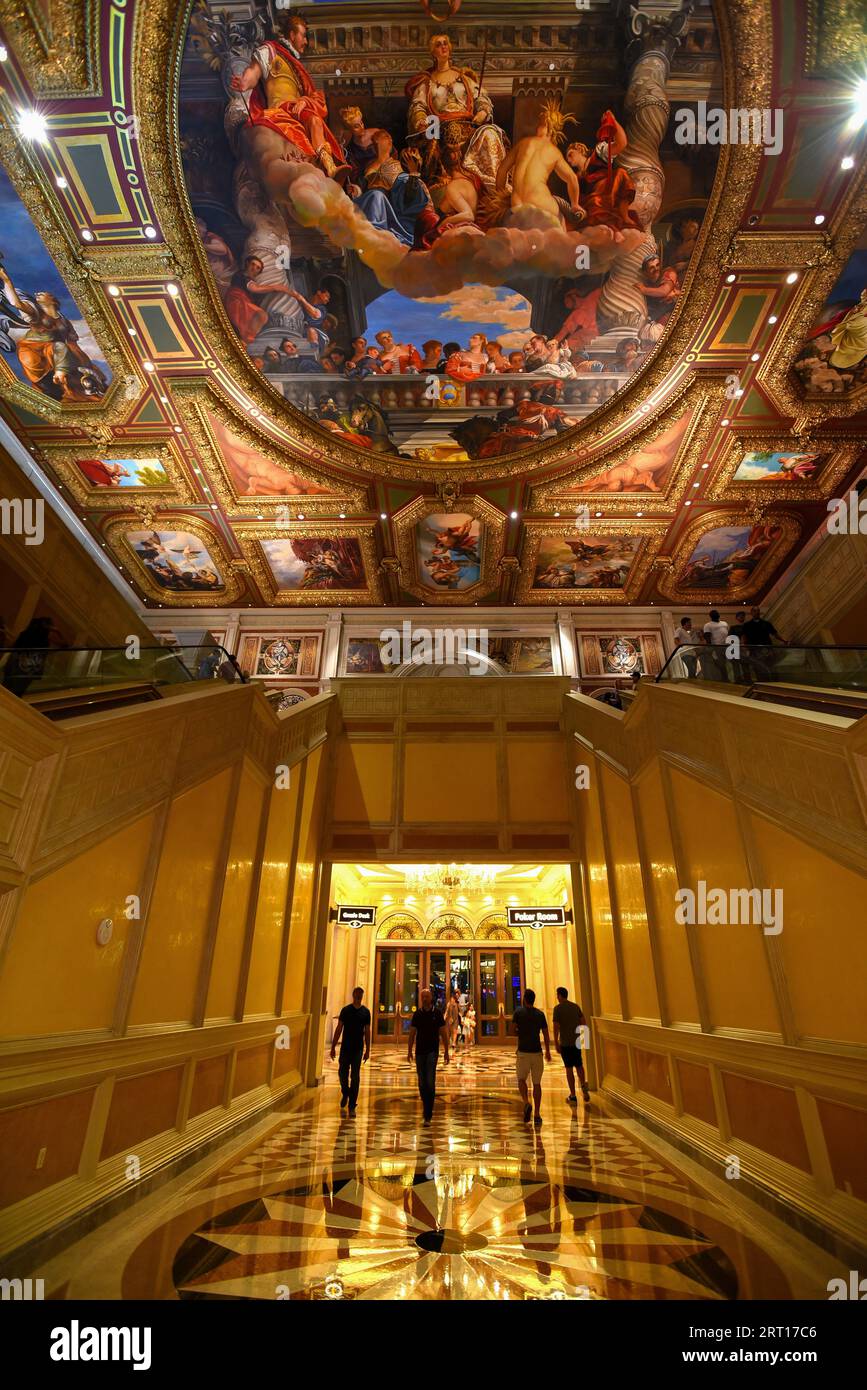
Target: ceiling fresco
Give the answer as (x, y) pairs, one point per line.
(382, 309)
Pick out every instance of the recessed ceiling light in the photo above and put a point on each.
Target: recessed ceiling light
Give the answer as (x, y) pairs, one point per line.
(113, 291)
(4, 53)
(150, 233)
(164, 399)
(598, 513)
(133, 332)
(556, 513)
(725, 421)
(696, 484)
(86, 234)
(178, 429)
(819, 218)
(513, 515)
(754, 357)
(791, 277)
(383, 516)
(61, 181)
(847, 162)
(705, 465)
(173, 291)
(772, 318)
(730, 279)
(688, 502)
(639, 513)
(32, 125)
(148, 366)
(301, 516)
(260, 517)
(214, 507)
(343, 516)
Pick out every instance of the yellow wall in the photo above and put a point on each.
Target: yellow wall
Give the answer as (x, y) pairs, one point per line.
(56, 978)
(673, 954)
(162, 801)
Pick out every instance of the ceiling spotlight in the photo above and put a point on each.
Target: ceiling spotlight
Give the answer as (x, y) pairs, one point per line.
(726, 421)
(819, 219)
(86, 234)
(513, 515)
(847, 163)
(791, 277)
(150, 233)
(705, 465)
(343, 516)
(214, 507)
(4, 53)
(61, 181)
(639, 513)
(383, 516)
(772, 318)
(754, 357)
(32, 126)
(598, 513)
(260, 517)
(164, 399)
(148, 366)
(688, 502)
(178, 429)
(301, 516)
(556, 513)
(113, 291)
(173, 291)
(696, 485)
(730, 279)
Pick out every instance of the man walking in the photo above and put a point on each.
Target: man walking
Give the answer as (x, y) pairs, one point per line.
(353, 1034)
(528, 1023)
(425, 1031)
(568, 1021)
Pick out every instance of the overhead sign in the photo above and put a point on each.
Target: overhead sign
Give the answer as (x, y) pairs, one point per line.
(537, 917)
(356, 916)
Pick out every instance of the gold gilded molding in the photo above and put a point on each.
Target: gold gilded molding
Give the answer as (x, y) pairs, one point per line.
(836, 36)
(790, 531)
(195, 401)
(64, 459)
(57, 44)
(233, 585)
(493, 530)
(652, 534)
(703, 396)
(251, 534)
(837, 457)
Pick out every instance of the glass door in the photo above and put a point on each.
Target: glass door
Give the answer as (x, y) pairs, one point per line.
(385, 1012)
(501, 991)
(491, 979)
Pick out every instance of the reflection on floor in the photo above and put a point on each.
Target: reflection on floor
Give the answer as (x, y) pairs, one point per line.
(319, 1205)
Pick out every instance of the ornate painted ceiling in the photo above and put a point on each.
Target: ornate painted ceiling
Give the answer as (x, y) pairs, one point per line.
(448, 303)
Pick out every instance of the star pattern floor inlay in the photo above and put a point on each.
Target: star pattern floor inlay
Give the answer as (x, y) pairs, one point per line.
(320, 1205)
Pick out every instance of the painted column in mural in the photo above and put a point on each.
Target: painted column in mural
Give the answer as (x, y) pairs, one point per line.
(654, 43)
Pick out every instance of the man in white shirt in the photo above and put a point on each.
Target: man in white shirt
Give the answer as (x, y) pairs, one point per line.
(715, 633)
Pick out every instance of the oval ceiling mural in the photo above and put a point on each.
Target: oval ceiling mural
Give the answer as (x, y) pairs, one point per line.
(449, 241)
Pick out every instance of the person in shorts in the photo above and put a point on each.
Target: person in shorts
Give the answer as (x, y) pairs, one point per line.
(568, 1020)
(530, 1025)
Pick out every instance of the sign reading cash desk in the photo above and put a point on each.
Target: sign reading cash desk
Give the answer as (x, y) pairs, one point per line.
(537, 917)
(356, 916)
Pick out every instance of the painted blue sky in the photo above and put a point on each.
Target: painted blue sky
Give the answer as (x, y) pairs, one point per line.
(30, 268)
(499, 313)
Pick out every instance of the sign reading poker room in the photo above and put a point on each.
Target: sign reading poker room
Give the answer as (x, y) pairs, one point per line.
(537, 917)
(356, 916)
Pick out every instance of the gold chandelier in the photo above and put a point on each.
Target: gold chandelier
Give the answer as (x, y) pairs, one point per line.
(449, 881)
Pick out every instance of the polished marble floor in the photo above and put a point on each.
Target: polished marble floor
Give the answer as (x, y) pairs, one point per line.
(314, 1204)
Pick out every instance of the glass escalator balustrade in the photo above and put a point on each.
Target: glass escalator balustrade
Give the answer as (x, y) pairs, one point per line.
(31, 671)
(832, 668)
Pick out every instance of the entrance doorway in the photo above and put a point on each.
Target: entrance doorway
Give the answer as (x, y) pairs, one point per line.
(492, 977)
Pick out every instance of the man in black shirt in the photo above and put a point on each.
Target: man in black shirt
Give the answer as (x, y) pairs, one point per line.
(758, 632)
(425, 1031)
(528, 1023)
(354, 1025)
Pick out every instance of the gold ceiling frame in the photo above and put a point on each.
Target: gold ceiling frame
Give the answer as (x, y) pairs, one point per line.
(233, 586)
(744, 29)
(840, 453)
(195, 400)
(652, 533)
(702, 394)
(57, 45)
(79, 274)
(407, 520)
(251, 534)
(64, 460)
(790, 528)
(819, 257)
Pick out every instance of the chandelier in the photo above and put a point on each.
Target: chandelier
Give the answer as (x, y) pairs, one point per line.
(449, 881)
